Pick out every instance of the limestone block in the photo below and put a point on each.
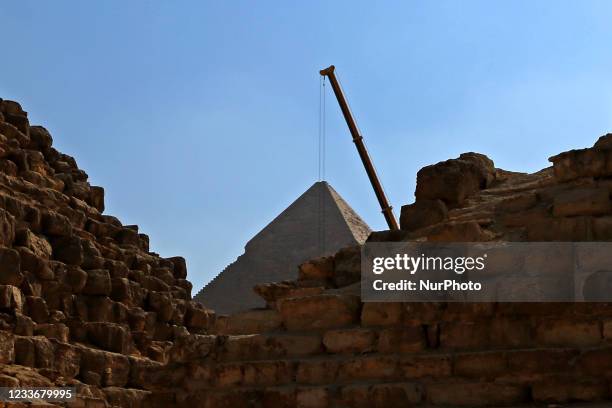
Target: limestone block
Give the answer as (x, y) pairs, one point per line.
(349, 340)
(10, 267)
(381, 314)
(68, 250)
(55, 224)
(98, 283)
(369, 368)
(109, 336)
(40, 138)
(475, 394)
(585, 201)
(7, 351)
(250, 322)
(7, 228)
(312, 397)
(319, 312)
(560, 390)
(317, 371)
(454, 180)
(485, 364)
(57, 331)
(11, 298)
(432, 366)
(37, 309)
(401, 340)
(558, 332)
(422, 213)
(317, 269)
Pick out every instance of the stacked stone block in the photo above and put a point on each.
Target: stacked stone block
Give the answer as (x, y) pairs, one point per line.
(82, 299)
(83, 302)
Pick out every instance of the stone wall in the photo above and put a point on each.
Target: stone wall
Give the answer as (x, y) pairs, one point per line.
(317, 345)
(324, 348)
(83, 302)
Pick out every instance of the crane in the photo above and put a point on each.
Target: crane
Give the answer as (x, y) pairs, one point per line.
(386, 208)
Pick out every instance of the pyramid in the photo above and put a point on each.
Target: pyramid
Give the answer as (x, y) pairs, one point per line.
(318, 223)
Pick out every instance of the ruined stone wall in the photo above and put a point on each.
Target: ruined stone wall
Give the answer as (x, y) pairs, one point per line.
(83, 302)
(331, 350)
(317, 345)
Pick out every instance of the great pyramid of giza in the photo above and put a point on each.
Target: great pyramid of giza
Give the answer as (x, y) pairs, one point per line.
(318, 223)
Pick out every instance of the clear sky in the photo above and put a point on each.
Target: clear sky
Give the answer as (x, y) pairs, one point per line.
(200, 118)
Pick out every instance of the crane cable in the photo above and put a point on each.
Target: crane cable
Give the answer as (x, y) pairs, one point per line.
(322, 130)
(321, 169)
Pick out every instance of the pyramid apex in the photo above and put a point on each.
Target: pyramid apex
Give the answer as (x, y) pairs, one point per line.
(318, 223)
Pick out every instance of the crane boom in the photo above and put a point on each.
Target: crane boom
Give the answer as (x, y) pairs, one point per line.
(387, 210)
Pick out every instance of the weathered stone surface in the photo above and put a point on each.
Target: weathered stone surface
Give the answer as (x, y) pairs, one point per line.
(30, 263)
(274, 292)
(98, 282)
(192, 347)
(367, 368)
(312, 397)
(349, 340)
(422, 213)
(15, 133)
(317, 269)
(560, 229)
(10, 267)
(37, 244)
(89, 305)
(480, 364)
(40, 137)
(311, 372)
(591, 201)
(180, 267)
(111, 368)
(401, 340)
(575, 164)
(469, 231)
(319, 312)
(258, 347)
(561, 390)
(347, 266)
(24, 325)
(55, 224)
(68, 250)
(96, 198)
(57, 331)
(568, 333)
(109, 336)
(11, 298)
(381, 314)
(7, 228)
(37, 309)
(434, 366)
(161, 303)
(252, 322)
(7, 351)
(475, 394)
(76, 278)
(454, 180)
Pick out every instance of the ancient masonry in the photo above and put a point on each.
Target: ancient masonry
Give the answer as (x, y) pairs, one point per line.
(84, 303)
(318, 223)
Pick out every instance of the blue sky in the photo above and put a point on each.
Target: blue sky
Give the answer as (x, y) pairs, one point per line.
(200, 118)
